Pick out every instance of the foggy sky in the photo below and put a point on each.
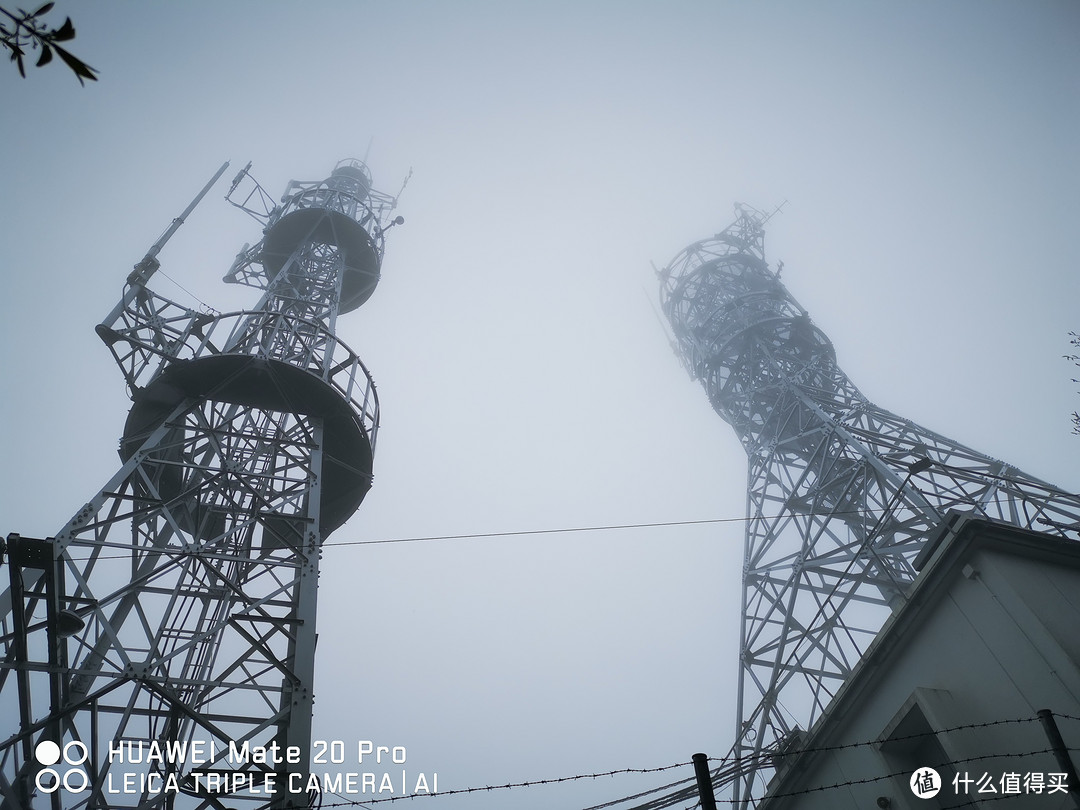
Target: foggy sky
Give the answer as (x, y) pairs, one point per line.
(927, 154)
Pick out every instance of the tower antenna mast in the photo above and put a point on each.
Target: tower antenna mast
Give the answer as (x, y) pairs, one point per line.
(176, 609)
(841, 492)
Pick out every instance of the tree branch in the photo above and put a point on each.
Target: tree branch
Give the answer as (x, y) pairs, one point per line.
(26, 32)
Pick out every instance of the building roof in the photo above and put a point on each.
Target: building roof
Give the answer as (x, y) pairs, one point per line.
(947, 556)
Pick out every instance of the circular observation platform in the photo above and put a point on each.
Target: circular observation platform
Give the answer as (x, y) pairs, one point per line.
(222, 362)
(359, 253)
(335, 213)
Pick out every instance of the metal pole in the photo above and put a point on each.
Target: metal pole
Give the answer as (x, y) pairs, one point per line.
(176, 223)
(149, 264)
(704, 782)
(1061, 753)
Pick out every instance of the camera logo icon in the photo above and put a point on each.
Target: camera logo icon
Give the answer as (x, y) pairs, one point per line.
(74, 778)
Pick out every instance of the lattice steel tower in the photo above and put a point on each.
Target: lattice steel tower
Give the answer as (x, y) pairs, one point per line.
(841, 492)
(178, 605)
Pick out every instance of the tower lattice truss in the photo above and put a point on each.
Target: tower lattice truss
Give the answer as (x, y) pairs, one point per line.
(841, 492)
(177, 607)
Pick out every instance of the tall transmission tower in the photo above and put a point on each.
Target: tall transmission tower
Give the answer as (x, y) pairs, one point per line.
(841, 492)
(177, 607)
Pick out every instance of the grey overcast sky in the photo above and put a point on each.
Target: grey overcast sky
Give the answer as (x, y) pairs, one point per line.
(927, 151)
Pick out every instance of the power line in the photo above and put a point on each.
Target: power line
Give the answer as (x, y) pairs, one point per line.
(530, 532)
(526, 532)
(571, 529)
(601, 528)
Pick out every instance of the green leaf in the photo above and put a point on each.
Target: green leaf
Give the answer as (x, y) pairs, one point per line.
(45, 9)
(46, 55)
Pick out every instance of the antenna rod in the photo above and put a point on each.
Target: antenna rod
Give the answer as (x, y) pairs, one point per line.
(149, 263)
(775, 211)
(176, 223)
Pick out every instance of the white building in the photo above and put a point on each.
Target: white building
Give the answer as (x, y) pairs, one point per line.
(988, 636)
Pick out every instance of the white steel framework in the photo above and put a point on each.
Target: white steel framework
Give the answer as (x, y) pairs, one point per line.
(177, 607)
(840, 492)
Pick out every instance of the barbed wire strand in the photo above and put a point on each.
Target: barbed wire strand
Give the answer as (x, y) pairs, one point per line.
(510, 785)
(722, 777)
(734, 765)
(803, 792)
(639, 795)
